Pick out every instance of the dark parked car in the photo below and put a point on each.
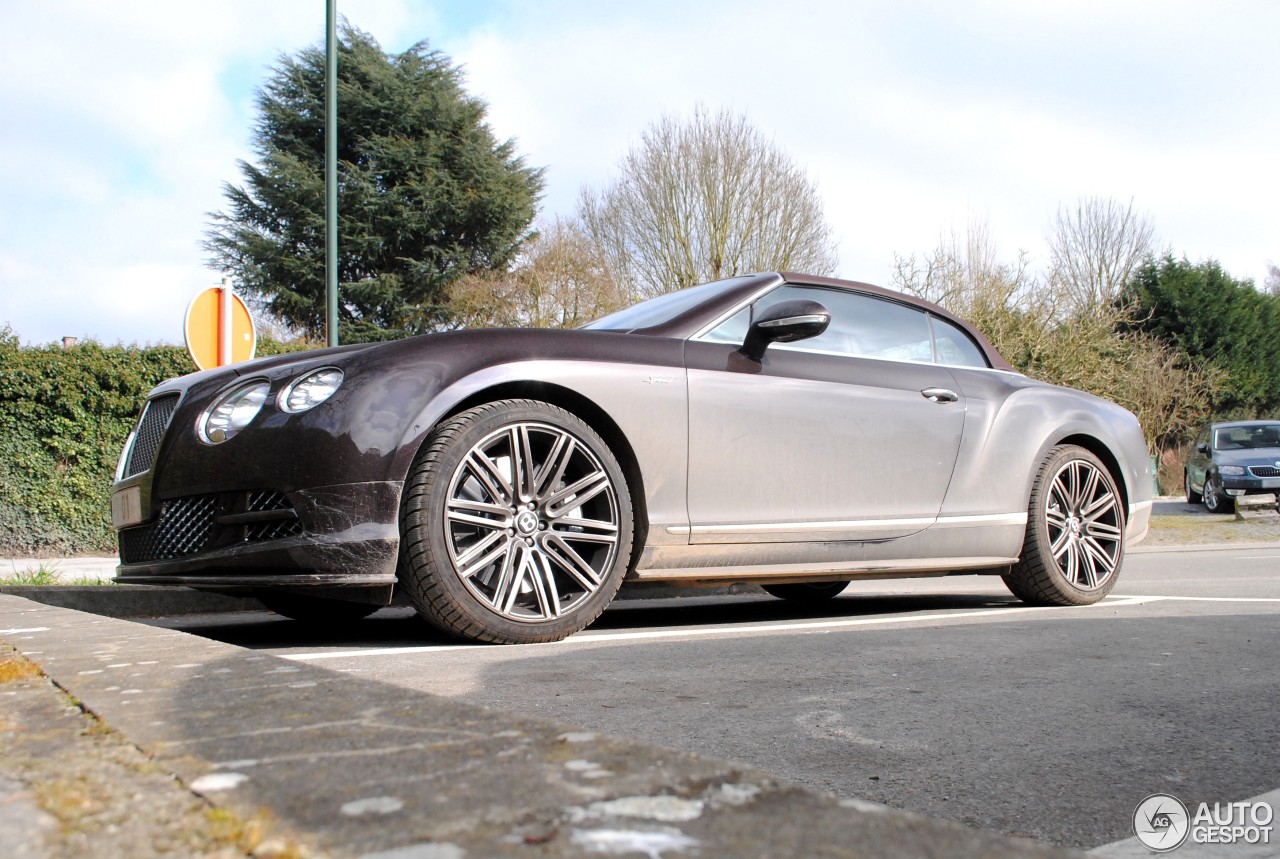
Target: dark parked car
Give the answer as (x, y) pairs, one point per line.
(1232, 459)
(791, 431)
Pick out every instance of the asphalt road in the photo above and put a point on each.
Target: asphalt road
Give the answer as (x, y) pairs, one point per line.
(945, 697)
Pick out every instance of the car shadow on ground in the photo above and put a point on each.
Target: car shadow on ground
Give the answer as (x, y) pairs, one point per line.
(401, 627)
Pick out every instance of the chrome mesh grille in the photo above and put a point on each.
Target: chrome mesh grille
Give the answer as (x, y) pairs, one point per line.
(199, 523)
(184, 528)
(1264, 471)
(146, 442)
(265, 499)
(274, 530)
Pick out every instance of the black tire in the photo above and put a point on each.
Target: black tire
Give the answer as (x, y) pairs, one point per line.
(516, 524)
(1193, 497)
(806, 591)
(1215, 500)
(315, 609)
(1074, 543)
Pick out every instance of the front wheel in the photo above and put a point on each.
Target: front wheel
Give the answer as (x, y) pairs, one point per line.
(1215, 499)
(516, 524)
(1075, 532)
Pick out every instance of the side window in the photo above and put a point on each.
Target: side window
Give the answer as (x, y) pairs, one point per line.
(865, 326)
(954, 346)
(732, 330)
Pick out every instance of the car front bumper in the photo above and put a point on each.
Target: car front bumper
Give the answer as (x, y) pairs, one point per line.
(343, 536)
(1238, 485)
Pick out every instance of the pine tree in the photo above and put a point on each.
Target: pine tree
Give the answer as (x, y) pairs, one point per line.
(426, 193)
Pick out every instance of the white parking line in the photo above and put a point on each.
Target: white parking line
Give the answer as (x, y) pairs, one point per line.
(706, 631)
(28, 629)
(1208, 599)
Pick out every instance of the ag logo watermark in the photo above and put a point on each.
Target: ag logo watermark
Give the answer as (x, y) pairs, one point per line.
(1163, 823)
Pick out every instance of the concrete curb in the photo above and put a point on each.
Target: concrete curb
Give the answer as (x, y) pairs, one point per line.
(131, 600)
(355, 768)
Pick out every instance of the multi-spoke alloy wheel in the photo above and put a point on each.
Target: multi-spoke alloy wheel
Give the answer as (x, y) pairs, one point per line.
(517, 524)
(1075, 532)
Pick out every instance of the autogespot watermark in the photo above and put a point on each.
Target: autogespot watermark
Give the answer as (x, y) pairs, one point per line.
(1163, 823)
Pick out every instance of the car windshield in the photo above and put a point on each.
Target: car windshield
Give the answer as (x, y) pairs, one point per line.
(662, 309)
(1247, 437)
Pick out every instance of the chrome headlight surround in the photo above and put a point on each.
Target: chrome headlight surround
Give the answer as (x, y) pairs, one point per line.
(309, 390)
(124, 455)
(232, 411)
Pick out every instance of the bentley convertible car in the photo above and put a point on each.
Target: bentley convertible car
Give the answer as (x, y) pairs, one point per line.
(790, 431)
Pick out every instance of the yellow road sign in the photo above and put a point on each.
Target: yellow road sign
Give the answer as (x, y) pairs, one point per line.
(219, 329)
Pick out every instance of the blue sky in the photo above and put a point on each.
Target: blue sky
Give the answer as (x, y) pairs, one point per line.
(120, 121)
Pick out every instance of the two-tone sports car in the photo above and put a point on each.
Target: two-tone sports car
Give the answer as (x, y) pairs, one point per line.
(790, 431)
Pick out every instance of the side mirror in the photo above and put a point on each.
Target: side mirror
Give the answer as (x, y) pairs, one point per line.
(786, 322)
(1203, 448)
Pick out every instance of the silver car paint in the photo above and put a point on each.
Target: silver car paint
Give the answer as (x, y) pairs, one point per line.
(977, 522)
(767, 449)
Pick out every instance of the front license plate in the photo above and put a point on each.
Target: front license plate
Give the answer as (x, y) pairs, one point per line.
(126, 507)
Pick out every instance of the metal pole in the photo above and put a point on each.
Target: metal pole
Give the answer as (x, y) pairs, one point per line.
(225, 297)
(331, 170)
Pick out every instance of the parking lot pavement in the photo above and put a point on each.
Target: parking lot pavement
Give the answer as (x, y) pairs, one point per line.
(350, 767)
(944, 697)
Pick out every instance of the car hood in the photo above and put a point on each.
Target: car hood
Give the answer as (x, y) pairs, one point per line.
(1253, 456)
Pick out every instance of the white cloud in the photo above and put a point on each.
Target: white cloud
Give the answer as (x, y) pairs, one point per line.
(120, 130)
(122, 120)
(914, 118)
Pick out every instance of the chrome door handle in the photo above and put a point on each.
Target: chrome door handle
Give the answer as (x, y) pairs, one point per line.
(940, 395)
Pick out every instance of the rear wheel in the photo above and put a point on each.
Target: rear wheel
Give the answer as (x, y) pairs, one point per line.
(806, 591)
(516, 524)
(315, 609)
(1193, 497)
(1075, 532)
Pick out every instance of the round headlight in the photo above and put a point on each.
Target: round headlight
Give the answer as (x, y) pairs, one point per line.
(310, 391)
(232, 412)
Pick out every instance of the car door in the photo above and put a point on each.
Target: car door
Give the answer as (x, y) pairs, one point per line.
(852, 435)
(1198, 461)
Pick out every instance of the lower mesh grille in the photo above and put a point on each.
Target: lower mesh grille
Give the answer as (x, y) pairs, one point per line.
(200, 523)
(260, 531)
(184, 528)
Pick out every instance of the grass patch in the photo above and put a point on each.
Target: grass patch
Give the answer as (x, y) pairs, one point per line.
(252, 836)
(1207, 528)
(13, 667)
(45, 574)
(48, 574)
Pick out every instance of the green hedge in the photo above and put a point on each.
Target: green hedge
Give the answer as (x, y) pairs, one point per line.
(64, 417)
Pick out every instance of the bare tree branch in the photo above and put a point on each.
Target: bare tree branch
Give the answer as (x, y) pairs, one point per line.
(705, 200)
(1095, 249)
